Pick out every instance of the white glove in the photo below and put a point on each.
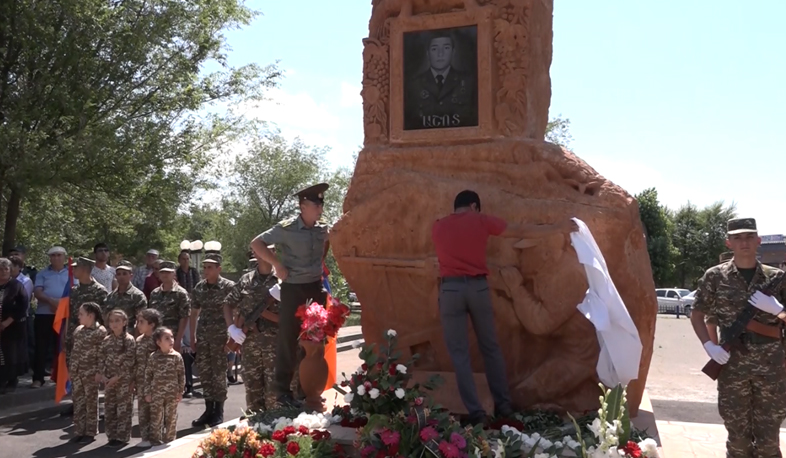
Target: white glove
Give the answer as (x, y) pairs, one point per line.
(275, 291)
(236, 334)
(716, 352)
(766, 303)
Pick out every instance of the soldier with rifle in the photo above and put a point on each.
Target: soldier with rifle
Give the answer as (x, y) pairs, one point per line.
(743, 296)
(255, 327)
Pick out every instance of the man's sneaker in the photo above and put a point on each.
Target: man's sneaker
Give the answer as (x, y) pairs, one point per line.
(144, 444)
(36, 384)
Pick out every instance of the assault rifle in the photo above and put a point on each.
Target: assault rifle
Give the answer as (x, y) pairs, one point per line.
(745, 321)
(250, 321)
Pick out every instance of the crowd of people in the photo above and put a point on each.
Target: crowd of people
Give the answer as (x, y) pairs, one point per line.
(138, 331)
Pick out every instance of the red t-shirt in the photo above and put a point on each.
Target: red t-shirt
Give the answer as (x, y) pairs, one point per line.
(460, 240)
(151, 282)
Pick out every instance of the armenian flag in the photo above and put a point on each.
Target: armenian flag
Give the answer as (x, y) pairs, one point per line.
(330, 347)
(60, 369)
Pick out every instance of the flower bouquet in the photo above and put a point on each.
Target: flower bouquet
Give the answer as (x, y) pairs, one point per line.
(319, 323)
(286, 441)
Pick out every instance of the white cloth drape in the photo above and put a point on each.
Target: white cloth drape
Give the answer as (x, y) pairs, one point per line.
(620, 344)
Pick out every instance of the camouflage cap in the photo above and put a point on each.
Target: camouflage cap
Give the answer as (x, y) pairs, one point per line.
(167, 266)
(741, 225)
(83, 262)
(125, 265)
(212, 258)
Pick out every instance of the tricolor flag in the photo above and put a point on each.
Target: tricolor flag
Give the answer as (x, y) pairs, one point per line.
(330, 346)
(60, 369)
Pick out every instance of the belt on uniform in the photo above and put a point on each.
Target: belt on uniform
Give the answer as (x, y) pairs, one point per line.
(760, 334)
(462, 278)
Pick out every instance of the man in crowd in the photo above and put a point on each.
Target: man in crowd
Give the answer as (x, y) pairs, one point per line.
(460, 240)
(143, 271)
(21, 252)
(303, 243)
(103, 272)
(50, 285)
(172, 301)
(126, 296)
(251, 296)
(17, 266)
(209, 338)
(153, 280)
(752, 384)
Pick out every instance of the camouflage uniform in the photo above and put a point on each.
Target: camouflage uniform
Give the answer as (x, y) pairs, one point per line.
(212, 337)
(118, 356)
(174, 305)
(752, 385)
(131, 301)
(165, 380)
(145, 346)
(259, 348)
(82, 370)
(81, 294)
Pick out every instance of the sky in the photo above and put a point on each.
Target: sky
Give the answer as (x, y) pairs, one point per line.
(684, 96)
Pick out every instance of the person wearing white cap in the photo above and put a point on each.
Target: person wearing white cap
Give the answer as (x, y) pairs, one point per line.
(142, 272)
(50, 284)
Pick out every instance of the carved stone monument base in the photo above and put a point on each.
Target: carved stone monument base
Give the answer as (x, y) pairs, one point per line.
(384, 248)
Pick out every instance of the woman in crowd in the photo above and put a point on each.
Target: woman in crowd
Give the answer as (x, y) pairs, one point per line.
(14, 302)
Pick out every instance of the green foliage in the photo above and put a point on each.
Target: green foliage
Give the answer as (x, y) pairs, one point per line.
(104, 101)
(558, 132)
(658, 228)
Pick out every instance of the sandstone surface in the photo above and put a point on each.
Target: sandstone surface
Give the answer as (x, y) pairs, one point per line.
(404, 181)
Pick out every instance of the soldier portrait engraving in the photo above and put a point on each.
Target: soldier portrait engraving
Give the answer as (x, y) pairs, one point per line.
(440, 78)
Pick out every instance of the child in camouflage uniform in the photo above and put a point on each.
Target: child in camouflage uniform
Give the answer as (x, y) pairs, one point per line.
(117, 371)
(165, 380)
(146, 322)
(84, 372)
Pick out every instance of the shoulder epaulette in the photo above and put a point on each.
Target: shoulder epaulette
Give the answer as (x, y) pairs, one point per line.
(288, 222)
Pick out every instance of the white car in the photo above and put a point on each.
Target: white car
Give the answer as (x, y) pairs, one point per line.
(673, 300)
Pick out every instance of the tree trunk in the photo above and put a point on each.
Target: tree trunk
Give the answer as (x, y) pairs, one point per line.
(11, 218)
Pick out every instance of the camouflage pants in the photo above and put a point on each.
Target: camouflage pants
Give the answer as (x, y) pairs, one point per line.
(163, 418)
(85, 396)
(211, 362)
(143, 410)
(752, 403)
(259, 357)
(118, 410)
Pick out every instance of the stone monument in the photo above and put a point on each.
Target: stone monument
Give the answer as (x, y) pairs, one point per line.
(481, 126)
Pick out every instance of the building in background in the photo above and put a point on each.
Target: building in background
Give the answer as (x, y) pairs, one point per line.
(773, 250)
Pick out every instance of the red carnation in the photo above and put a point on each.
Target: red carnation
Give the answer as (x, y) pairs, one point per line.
(289, 430)
(632, 450)
(302, 430)
(280, 436)
(364, 366)
(267, 449)
(392, 370)
(293, 448)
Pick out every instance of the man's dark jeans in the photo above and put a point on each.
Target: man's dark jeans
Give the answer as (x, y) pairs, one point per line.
(45, 342)
(460, 297)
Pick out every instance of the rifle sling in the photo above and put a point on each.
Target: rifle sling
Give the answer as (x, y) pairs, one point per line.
(764, 329)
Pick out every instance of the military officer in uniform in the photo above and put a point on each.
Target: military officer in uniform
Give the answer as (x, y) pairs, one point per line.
(172, 301)
(210, 337)
(126, 296)
(302, 243)
(253, 292)
(442, 96)
(752, 384)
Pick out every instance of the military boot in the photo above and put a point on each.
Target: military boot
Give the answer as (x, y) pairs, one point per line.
(218, 414)
(206, 415)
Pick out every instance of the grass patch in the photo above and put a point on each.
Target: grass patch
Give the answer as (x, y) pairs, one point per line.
(353, 319)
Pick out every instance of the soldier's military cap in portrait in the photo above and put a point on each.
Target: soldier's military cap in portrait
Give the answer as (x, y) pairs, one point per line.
(741, 226)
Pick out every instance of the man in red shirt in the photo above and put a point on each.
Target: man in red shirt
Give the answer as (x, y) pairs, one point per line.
(152, 281)
(460, 240)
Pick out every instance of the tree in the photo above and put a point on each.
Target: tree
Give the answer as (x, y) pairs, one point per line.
(558, 132)
(658, 230)
(105, 100)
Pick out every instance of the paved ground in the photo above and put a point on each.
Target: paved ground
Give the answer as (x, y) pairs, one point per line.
(678, 389)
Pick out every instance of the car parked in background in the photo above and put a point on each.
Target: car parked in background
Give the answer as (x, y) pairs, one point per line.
(673, 300)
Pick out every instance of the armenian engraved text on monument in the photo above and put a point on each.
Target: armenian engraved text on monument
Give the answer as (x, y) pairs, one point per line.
(489, 138)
